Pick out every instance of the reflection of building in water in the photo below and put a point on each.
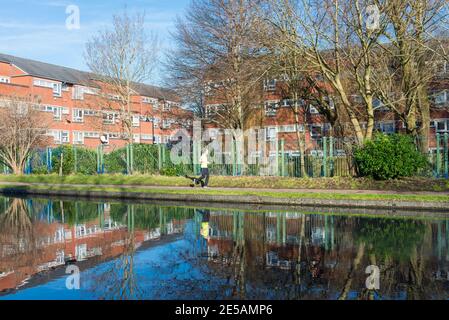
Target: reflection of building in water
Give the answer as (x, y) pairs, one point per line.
(323, 249)
(95, 233)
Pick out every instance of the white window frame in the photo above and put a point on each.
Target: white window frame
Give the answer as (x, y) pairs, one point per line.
(65, 136)
(91, 135)
(146, 137)
(313, 109)
(5, 79)
(269, 84)
(135, 121)
(149, 100)
(445, 123)
(78, 115)
(271, 108)
(78, 137)
(60, 136)
(166, 124)
(271, 133)
(54, 85)
(111, 118)
(57, 113)
(382, 126)
(441, 94)
(167, 106)
(313, 135)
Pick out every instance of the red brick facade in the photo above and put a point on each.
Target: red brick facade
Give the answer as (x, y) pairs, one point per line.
(78, 110)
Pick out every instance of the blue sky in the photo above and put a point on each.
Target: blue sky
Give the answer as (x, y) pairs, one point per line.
(35, 29)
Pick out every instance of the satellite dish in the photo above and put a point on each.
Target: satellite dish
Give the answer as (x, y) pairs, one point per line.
(104, 139)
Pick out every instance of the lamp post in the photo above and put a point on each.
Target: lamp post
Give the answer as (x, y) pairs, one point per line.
(151, 119)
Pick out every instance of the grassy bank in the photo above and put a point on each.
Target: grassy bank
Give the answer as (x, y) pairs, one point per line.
(409, 184)
(261, 193)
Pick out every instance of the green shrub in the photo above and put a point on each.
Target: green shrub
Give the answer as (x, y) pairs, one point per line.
(115, 162)
(86, 160)
(146, 158)
(68, 160)
(389, 157)
(86, 163)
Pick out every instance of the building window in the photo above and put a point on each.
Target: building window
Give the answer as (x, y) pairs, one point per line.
(78, 115)
(109, 118)
(287, 128)
(271, 134)
(313, 110)
(156, 122)
(386, 127)
(60, 137)
(57, 114)
(271, 108)
(4, 79)
(136, 138)
(442, 126)
(167, 106)
(79, 92)
(441, 97)
(136, 121)
(269, 85)
(288, 103)
(166, 124)
(65, 137)
(316, 131)
(78, 137)
(148, 100)
(92, 135)
(157, 139)
(55, 86)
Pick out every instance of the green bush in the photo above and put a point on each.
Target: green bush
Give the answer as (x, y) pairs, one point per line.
(68, 160)
(86, 160)
(115, 162)
(146, 158)
(389, 157)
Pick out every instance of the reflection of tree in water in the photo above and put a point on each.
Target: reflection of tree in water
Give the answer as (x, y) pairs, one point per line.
(119, 281)
(17, 236)
(334, 268)
(15, 220)
(397, 247)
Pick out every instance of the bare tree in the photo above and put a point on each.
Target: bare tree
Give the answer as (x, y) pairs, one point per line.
(123, 57)
(299, 81)
(219, 60)
(22, 128)
(415, 45)
(333, 39)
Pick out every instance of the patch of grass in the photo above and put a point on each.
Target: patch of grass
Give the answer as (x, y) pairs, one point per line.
(260, 193)
(338, 183)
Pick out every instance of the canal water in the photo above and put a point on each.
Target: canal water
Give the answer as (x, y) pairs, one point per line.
(60, 249)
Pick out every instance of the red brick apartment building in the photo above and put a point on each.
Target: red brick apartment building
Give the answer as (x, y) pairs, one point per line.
(78, 114)
(276, 116)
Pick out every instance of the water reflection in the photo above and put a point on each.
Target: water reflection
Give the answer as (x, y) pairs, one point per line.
(132, 251)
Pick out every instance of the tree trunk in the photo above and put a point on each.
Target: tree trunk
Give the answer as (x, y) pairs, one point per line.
(355, 264)
(424, 108)
(300, 136)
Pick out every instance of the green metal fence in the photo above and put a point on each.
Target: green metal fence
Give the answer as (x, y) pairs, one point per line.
(329, 157)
